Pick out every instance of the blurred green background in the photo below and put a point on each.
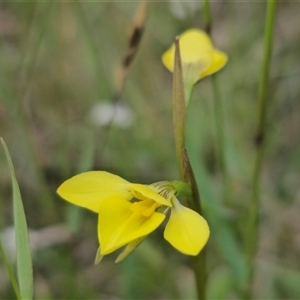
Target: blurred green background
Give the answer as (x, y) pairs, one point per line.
(58, 63)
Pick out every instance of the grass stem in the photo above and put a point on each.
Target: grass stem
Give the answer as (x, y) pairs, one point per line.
(253, 221)
(219, 123)
(207, 16)
(218, 108)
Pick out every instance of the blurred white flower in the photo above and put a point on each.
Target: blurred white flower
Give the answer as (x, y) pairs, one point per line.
(105, 113)
(183, 10)
(39, 239)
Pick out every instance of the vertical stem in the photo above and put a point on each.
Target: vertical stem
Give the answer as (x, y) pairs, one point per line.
(219, 119)
(199, 261)
(199, 266)
(262, 93)
(207, 17)
(218, 108)
(186, 172)
(253, 221)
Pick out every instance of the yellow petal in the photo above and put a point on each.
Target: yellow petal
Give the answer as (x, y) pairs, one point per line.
(90, 188)
(195, 46)
(219, 61)
(118, 225)
(144, 192)
(186, 230)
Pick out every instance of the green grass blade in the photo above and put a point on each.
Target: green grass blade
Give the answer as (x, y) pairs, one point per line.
(10, 271)
(24, 263)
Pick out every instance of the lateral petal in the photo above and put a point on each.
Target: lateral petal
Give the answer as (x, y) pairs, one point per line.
(90, 188)
(186, 230)
(219, 61)
(118, 225)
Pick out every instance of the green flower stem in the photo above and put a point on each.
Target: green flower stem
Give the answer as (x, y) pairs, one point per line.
(199, 261)
(253, 221)
(207, 16)
(218, 107)
(219, 119)
(199, 265)
(185, 169)
(262, 93)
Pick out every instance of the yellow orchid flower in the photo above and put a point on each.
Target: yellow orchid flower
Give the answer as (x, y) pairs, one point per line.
(198, 56)
(128, 212)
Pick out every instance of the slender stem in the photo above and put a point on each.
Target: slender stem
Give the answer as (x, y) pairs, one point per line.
(199, 261)
(207, 16)
(10, 272)
(218, 108)
(219, 119)
(185, 168)
(253, 221)
(199, 265)
(262, 92)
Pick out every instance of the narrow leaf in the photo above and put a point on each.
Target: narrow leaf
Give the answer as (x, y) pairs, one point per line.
(24, 263)
(10, 271)
(179, 110)
(189, 177)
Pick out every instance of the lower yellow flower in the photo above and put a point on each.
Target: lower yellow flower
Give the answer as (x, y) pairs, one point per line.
(128, 212)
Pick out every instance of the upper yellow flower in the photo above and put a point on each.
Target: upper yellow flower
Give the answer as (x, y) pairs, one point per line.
(198, 56)
(128, 212)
